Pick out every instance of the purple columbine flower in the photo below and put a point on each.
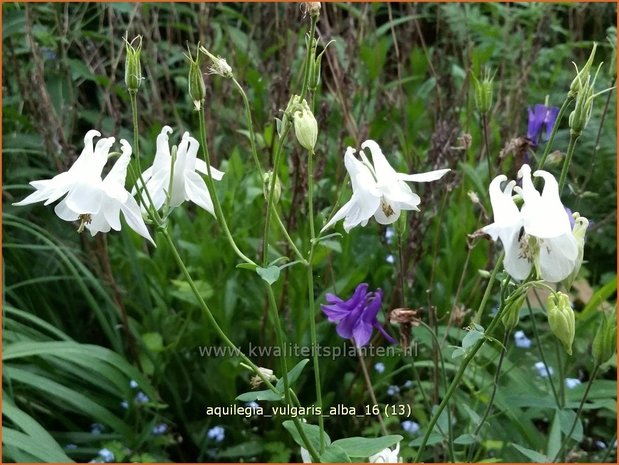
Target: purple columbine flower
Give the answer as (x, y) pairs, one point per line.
(541, 117)
(356, 317)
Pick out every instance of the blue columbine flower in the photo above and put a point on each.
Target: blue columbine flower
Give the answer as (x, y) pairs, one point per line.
(356, 317)
(540, 117)
(216, 433)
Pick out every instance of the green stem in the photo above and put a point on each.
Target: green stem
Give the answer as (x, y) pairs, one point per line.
(541, 353)
(484, 128)
(254, 153)
(368, 383)
(213, 323)
(568, 160)
(450, 447)
(578, 413)
(310, 292)
(484, 300)
(456, 381)
(562, 111)
(211, 186)
(280, 341)
(311, 52)
(494, 390)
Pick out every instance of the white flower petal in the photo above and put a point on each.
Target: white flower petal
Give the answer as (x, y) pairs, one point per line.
(197, 192)
(215, 173)
(423, 177)
(65, 213)
(381, 213)
(133, 217)
(558, 257)
(515, 263)
(85, 198)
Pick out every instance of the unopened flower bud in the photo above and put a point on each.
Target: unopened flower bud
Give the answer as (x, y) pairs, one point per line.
(305, 126)
(561, 319)
(579, 231)
(483, 91)
(511, 315)
(197, 88)
(266, 373)
(582, 75)
(133, 67)
(267, 179)
(605, 341)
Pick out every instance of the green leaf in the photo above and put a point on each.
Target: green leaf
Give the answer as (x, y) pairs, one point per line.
(153, 342)
(566, 419)
(266, 394)
(247, 266)
(471, 338)
(465, 439)
(13, 438)
(270, 274)
(531, 454)
(364, 447)
(334, 454)
(434, 438)
(311, 431)
(245, 449)
(293, 374)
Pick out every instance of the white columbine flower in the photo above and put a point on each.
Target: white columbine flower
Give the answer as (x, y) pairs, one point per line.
(101, 202)
(539, 234)
(85, 172)
(378, 190)
(96, 202)
(387, 456)
(186, 184)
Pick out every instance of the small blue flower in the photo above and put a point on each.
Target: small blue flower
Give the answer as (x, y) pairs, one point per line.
(393, 390)
(600, 444)
(141, 398)
(106, 455)
(410, 426)
(408, 384)
(390, 259)
(543, 370)
(160, 429)
(96, 428)
(133, 384)
(124, 404)
(522, 340)
(216, 433)
(389, 235)
(70, 447)
(571, 383)
(252, 405)
(379, 367)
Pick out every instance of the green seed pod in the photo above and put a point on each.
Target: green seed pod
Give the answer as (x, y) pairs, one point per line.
(580, 230)
(561, 319)
(484, 91)
(266, 186)
(582, 76)
(133, 67)
(305, 126)
(197, 88)
(605, 341)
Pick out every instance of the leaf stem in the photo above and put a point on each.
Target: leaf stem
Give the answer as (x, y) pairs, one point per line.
(578, 413)
(562, 111)
(568, 160)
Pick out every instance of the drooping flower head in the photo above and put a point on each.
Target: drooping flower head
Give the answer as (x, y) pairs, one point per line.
(541, 117)
(539, 234)
(387, 455)
(378, 190)
(356, 317)
(186, 184)
(96, 202)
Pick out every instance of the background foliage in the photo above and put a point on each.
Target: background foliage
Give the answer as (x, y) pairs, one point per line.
(400, 74)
